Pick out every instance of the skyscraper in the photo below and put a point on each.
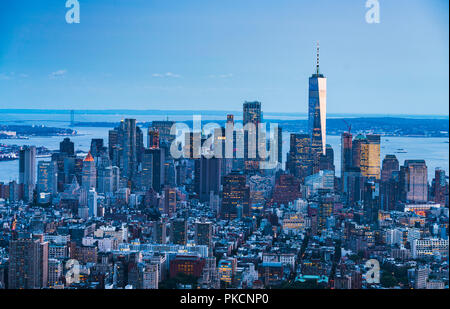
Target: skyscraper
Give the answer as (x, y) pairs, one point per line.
(346, 153)
(299, 161)
(97, 146)
(129, 154)
(153, 173)
(208, 175)
(203, 233)
(27, 170)
(366, 155)
(326, 202)
(89, 173)
(251, 116)
(317, 109)
(170, 200)
(47, 177)
(352, 185)
(356, 150)
(414, 181)
(159, 231)
(389, 183)
(252, 112)
(390, 164)
(152, 138)
(67, 147)
(178, 231)
(370, 157)
(125, 147)
(440, 187)
(163, 127)
(236, 194)
(28, 264)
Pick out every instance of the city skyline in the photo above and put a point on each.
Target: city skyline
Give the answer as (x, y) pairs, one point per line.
(289, 185)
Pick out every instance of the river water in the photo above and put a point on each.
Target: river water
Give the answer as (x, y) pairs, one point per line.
(434, 151)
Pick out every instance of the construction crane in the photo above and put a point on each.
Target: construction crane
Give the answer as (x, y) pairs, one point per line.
(349, 126)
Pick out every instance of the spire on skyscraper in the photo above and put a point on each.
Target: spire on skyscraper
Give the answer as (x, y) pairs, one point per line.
(89, 158)
(317, 63)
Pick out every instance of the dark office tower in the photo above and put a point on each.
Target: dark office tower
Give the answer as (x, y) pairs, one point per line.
(371, 200)
(390, 165)
(28, 264)
(352, 185)
(68, 168)
(230, 159)
(139, 145)
(326, 204)
(346, 153)
(170, 200)
(58, 159)
(113, 146)
(15, 191)
(129, 151)
(96, 147)
(163, 127)
(181, 169)
(326, 162)
(390, 192)
(170, 173)
(159, 232)
(252, 112)
(317, 105)
(27, 170)
(89, 173)
(220, 141)
(440, 187)
(192, 145)
(152, 138)
(414, 181)
(4, 276)
(208, 175)
(153, 171)
(389, 185)
(356, 150)
(178, 231)
(147, 169)
(126, 147)
(235, 194)
(67, 147)
(299, 161)
(203, 233)
(280, 146)
(47, 177)
(251, 115)
(78, 171)
(105, 182)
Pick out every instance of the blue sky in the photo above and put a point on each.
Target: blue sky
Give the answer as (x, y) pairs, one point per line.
(211, 54)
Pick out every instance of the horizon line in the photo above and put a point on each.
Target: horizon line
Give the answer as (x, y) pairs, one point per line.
(31, 110)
